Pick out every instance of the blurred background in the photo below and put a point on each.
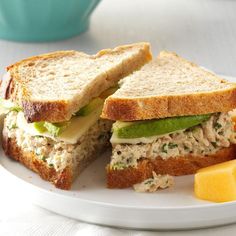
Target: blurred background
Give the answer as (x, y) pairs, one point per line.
(200, 30)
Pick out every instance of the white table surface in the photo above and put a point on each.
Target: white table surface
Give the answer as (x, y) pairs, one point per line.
(203, 31)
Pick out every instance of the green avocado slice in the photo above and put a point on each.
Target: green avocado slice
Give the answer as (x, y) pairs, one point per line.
(54, 129)
(108, 92)
(86, 110)
(150, 128)
(39, 126)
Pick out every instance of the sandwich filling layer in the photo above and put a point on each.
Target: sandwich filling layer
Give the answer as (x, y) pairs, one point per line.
(154, 183)
(206, 138)
(61, 144)
(55, 152)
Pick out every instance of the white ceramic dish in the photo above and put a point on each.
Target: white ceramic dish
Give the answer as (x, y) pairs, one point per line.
(90, 200)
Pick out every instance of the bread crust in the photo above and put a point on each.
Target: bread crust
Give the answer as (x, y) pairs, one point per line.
(168, 106)
(173, 166)
(37, 111)
(60, 110)
(62, 180)
(131, 108)
(34, 110)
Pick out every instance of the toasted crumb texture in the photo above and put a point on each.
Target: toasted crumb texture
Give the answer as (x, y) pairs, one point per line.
(53, 156)
(51, 87)
(169, 86)
(127, 177)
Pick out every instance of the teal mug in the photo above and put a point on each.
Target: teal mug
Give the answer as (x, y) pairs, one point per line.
(44, 20)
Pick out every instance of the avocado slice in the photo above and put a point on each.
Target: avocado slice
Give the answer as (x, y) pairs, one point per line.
(149, 128)
(54, 129)
(108, 92)
(84, 111)
(94, 103)
(39, 126)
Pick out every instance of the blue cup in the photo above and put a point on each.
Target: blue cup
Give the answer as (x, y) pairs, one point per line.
(44, 20)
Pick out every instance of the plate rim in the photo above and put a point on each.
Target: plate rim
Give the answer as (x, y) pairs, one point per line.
(121, 207)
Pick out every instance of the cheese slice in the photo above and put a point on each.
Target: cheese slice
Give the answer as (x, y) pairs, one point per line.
(116, 139)
(77, 127)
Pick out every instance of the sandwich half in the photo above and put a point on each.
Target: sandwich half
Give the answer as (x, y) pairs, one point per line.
(53, 104)
(172, 118)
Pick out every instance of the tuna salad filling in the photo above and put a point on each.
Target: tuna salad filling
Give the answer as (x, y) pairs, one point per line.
(59, 154)
(154, 183)
(200, 140)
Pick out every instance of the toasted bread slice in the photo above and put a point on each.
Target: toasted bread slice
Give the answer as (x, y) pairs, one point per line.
(173, 166)
(169, 86)
(51, 87)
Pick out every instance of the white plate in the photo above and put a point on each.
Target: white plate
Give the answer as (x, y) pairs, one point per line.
(90, 200)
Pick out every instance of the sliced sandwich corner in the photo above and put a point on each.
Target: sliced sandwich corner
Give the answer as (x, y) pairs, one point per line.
(168, 116)
(172, 117)
(53, 104)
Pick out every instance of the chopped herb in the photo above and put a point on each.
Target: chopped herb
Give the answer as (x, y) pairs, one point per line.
(17, 109)
(37, 152)
(214, 144)
(38, 136)
(148, 181)
(163, 149)
(118, 166)
(217, 126)
(172, 145)
(44, 159)
(14, 126)
(51, 165)
(221, 133)
(102, 137)
(186, 148)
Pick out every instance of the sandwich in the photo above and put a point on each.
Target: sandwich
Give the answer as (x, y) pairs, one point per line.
(53, 104)
(172, 117)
